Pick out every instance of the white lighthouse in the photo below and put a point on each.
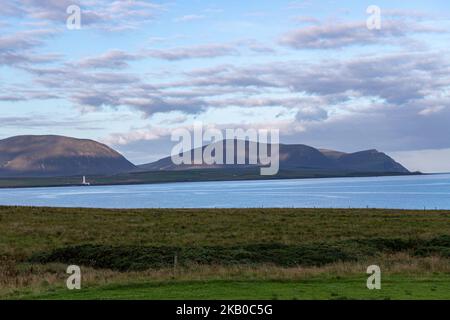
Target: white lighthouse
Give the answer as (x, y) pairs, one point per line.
(85, 183)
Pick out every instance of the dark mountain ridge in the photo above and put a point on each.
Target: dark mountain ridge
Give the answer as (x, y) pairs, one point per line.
(298, 157)
(58, 156)
(51, 155)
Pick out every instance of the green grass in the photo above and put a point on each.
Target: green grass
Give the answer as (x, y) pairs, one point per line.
(224, 253)
(138, 258)
(393, 287)
(24, 231)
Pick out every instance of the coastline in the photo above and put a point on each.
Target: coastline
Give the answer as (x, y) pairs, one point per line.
(162, 177)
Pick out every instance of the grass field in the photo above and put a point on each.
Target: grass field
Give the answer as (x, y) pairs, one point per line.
(224, 254)
(395, 287)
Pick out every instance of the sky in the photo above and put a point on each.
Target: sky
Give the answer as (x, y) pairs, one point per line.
(137, 70)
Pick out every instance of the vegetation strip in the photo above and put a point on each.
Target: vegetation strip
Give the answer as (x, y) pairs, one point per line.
(135, 258)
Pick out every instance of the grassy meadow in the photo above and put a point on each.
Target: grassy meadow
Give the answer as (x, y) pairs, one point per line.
(224, 254)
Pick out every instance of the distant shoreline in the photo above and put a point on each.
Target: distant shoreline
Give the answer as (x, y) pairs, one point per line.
(163, 177)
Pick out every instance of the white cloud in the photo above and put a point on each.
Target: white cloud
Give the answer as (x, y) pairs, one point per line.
(343, 34)
(193, 52)
(104, 14)
(189, 17)
(431, 110)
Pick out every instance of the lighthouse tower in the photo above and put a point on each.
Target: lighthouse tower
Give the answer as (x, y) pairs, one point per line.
(85, 183)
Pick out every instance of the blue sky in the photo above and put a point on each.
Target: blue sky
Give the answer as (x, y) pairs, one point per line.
(137, 70)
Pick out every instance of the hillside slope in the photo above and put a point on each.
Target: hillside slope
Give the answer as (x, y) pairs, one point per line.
(44, 156)
(298, 157)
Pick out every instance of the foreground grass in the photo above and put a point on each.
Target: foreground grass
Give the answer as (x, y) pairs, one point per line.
(24, 231)
(403, 277)
(394, 287)
(226, 254)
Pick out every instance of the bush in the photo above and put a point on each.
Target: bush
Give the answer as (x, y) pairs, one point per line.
(129, 258)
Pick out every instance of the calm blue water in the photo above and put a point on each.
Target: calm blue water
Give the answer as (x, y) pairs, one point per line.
(410, 192)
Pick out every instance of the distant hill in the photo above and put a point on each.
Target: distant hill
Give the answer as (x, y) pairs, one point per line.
(299, 157)
(50, 156)
(57, 156)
